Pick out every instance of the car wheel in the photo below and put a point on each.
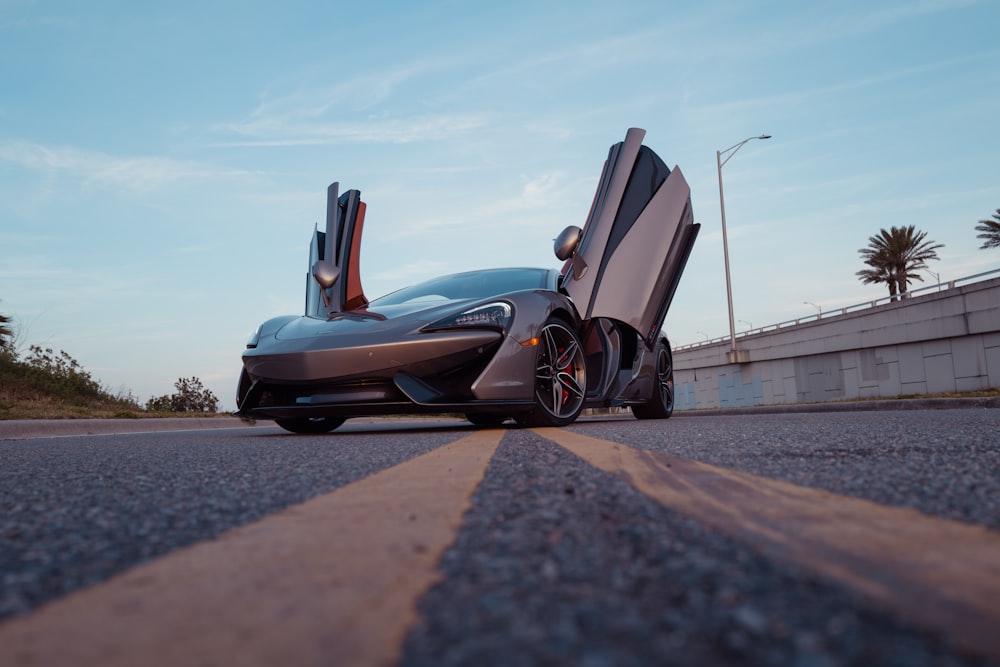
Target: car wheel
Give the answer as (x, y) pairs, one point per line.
(560, 377)
(661, 403)
(310, 425)
(485, 418)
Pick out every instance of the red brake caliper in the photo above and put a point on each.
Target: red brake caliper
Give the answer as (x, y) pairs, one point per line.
(559, 365)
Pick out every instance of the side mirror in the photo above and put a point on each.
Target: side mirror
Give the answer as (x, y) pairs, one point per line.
(325, 273)
(566, 243)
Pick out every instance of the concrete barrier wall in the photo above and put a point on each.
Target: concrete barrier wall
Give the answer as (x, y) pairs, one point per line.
(947, 341)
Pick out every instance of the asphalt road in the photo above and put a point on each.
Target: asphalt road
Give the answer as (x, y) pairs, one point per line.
(850, 538)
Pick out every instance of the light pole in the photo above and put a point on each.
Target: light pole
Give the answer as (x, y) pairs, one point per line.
(819, 311)
(734, 357)
(937, 277)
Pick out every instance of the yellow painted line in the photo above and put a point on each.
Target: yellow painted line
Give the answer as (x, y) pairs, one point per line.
(333, 581)
(941, 574)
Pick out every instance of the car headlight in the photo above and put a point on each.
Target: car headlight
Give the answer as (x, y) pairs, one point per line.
(489, 316)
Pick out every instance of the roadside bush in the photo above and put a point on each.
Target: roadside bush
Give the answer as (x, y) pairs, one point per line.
(59, 374)
(191, 396)
(46, 384)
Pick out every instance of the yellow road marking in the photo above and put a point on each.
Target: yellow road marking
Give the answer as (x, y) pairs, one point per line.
(942, 574)
(334, 580)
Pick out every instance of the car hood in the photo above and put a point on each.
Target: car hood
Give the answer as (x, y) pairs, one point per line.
(405, 316)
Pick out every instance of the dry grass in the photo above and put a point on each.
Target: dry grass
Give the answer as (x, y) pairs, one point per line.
(984, 393)
(26, 404)
(46, 385)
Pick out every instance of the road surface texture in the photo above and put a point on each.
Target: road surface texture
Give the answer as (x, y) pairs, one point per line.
(813, 540)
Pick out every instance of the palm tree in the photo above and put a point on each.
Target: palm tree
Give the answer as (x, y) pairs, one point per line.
(895, 256)
(881, 273)
(990, 232)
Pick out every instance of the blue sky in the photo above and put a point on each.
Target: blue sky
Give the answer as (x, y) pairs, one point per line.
(162, 164)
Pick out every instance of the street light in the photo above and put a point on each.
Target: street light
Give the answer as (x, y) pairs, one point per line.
(937, 277)
(819, 310)
(734, 357)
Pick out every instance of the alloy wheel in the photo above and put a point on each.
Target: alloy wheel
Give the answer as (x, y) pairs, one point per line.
(560, 375)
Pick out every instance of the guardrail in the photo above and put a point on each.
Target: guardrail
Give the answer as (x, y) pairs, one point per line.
(939, 287)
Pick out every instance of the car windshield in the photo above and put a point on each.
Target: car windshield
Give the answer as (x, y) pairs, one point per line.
(472, 285)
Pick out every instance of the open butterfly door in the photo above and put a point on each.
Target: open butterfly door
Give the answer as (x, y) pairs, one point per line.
(334, 282)
(626, 262)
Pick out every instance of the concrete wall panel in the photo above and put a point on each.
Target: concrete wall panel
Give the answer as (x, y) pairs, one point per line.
(969, 356)
(992, 355)
(940, 374)
(911, 364)
(940, 342)
(891, 386)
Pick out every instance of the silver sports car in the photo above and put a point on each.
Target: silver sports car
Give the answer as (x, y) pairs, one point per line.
(533, 344)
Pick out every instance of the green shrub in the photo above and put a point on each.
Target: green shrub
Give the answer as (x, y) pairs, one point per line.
(49, 384)
(190, 396)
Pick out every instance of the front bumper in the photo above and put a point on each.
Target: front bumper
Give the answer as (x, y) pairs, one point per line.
(439, 372)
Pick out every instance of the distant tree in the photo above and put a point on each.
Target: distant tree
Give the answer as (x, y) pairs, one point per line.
(990, 232)
(6, 333)
(893, 257)
(190, 396)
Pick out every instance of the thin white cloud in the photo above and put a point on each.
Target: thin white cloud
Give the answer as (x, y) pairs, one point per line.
(284, 132)
(354, 94)
(192, 250)
(405, 272)
(103, 170)
(10, 238)
(822, 23)
(539, 189)
(882, 17)
(838, 90)
(545, 196)
(33, 22)
(317, 114)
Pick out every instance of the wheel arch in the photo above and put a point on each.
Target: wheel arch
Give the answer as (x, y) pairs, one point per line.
(565, 313)
(509, 376)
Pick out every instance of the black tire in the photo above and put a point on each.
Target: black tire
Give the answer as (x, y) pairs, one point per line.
(560, 377)
(485, 419)
(312, 425)
(661, 402)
